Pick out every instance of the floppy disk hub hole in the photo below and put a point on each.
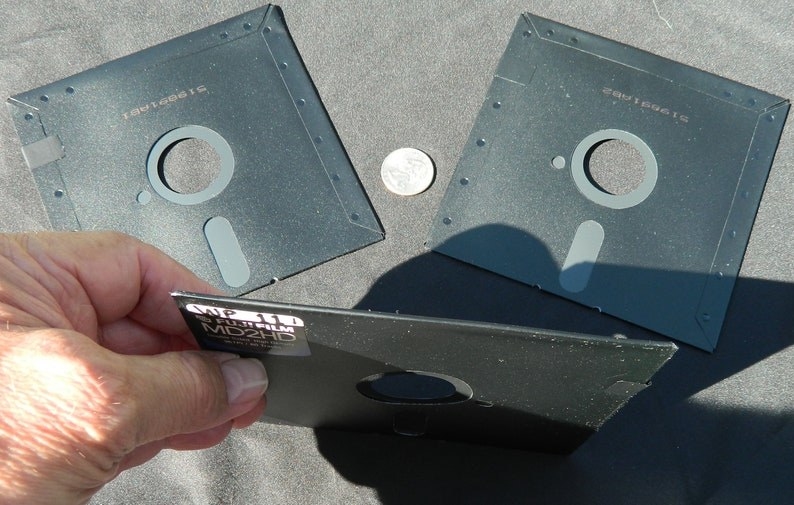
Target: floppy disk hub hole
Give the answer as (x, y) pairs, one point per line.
(189, 166)
(615, 167)
(414, 388)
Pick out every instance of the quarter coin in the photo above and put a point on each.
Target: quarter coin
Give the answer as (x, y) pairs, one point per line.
(407, 171)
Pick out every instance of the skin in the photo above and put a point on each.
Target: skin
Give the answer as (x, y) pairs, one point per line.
(98, 371)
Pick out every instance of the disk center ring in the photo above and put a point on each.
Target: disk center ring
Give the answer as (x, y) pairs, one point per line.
(209, 136)
(596, 195)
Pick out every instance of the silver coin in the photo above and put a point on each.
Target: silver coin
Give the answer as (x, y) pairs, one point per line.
(407, 171)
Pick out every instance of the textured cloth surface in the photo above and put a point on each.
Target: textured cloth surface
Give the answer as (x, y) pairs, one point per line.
(716, 429)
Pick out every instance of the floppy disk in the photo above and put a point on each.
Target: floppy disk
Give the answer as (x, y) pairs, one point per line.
(374, 372)
(282, 196)
(661, 249)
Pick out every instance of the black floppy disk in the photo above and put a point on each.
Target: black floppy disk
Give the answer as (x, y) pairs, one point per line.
(374, 372)
(664, 253)
(285, 196)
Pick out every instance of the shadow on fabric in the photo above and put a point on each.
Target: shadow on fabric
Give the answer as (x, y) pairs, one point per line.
(660, 448)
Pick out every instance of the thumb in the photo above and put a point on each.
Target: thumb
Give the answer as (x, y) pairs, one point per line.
(186, 392)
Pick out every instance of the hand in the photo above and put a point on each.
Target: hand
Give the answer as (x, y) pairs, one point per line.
(98, 371)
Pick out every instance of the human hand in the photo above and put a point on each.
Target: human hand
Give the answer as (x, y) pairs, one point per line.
(98, 371)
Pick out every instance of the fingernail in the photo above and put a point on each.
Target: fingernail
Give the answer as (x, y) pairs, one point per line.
(245, 379)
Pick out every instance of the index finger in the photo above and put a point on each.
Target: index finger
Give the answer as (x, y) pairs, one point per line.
(121, 276)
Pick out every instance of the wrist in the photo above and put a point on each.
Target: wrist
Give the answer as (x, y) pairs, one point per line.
(55, 417)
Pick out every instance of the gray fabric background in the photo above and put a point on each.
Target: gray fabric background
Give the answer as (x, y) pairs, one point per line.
(714, 429)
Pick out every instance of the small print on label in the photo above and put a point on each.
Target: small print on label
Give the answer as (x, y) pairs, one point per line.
(241, 331)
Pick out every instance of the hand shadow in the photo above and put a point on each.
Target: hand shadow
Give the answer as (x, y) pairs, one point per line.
(658, 449)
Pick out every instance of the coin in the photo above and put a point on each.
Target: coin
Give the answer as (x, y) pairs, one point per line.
(407, 171)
